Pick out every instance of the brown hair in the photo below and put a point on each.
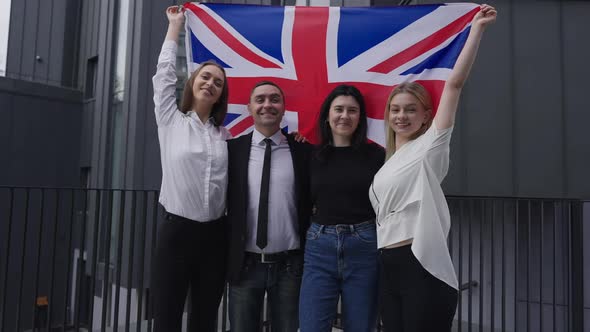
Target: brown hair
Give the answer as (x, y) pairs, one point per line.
(417, 90)
(219, 109)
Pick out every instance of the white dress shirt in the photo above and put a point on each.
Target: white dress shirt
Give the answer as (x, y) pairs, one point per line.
(410, 204)
(193, 153)
(282, 212)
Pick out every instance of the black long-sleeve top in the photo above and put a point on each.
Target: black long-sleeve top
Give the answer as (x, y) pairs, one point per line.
(340, 181)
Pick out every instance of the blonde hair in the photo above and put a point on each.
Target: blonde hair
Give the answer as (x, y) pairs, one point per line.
(417, 90)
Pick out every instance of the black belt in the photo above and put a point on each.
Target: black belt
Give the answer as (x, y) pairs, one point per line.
(274, 257)
(173, 217)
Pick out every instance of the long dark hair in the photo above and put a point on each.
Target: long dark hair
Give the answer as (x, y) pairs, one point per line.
(219, 110)
(359, 137)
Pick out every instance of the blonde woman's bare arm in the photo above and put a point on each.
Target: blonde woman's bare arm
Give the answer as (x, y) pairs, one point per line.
(445, 115)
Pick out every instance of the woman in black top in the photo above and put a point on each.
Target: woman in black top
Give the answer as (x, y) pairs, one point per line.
(341, 244)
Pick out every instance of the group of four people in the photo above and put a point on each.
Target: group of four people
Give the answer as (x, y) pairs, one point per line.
(305, 225)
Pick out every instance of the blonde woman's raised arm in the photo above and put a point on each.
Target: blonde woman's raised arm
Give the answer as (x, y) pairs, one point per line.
(445, 115)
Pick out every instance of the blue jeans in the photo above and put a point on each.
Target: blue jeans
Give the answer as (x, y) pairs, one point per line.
(340, 260)
(281, 280)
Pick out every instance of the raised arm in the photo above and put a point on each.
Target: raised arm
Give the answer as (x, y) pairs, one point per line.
(164, 81)
(445, 115)
(175, 22)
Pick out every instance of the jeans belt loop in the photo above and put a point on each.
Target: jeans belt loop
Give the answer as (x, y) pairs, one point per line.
(322, 229)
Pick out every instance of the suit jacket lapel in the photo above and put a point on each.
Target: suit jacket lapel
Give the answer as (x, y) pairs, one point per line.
(295, 159)
(244, 150)
(243, 161)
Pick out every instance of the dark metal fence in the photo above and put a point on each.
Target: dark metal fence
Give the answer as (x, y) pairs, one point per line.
(79, 259)
(519, 263)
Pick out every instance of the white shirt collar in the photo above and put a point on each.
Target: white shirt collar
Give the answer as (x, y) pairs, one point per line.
(277, 138)
(195, 116)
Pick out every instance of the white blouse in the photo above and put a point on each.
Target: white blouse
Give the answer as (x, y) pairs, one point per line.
(193, 153)
(410, 204)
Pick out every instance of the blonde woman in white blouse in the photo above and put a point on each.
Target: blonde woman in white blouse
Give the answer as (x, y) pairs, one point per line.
(192, 239)
(418, 286)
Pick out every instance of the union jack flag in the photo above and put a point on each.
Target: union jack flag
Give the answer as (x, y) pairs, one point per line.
(308, 51)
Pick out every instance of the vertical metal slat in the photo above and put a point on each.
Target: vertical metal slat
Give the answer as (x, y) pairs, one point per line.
(38, 257)
(22, 260)
(131, 260)
(54, 244)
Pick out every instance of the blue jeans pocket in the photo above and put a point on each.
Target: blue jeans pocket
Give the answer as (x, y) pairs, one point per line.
(366, 235)
(313, 233)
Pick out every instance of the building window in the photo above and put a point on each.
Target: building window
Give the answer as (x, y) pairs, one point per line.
(121, 51)
(4, 28)
(84, 177)
(90, 87)
(313, 3)
(117, 108)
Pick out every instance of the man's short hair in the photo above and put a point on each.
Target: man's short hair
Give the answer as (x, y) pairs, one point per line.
(261, 83)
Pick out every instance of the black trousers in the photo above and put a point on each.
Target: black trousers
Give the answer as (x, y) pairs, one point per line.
(189, 255)
(411, 299)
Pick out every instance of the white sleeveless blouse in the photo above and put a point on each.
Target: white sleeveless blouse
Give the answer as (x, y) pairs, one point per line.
(409, 202)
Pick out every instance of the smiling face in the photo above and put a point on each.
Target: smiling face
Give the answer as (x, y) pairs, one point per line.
(208, 85)
(267, 107)
(407, 115)
(344, 116)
